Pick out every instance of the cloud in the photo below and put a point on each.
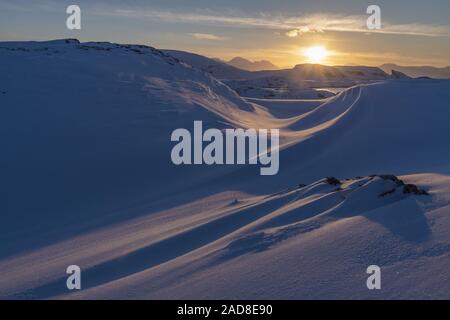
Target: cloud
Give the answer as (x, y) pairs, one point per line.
(295, 26)
(206, 36)
(296, 32)
(302, 30)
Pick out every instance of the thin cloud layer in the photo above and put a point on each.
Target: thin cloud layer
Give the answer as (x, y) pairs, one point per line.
(206, 36)
(295, 25)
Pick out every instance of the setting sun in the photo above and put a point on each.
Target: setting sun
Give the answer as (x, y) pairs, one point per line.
(316, 54)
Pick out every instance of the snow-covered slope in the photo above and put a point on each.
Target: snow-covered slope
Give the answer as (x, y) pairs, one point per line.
(85, 129)
(273, 87)
(87, 180)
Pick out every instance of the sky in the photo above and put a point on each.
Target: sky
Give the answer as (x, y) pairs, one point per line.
(413, 32)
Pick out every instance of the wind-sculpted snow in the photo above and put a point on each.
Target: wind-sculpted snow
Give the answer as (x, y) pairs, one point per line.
(85, 130)
(87, 180)
(249, 225)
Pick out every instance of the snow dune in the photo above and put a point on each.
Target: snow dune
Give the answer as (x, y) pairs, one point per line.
(87, 180)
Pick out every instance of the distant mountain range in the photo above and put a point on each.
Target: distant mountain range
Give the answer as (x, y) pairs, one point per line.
(248, 65)
(300, 82)
(216, 67)
(241, 68)
(224, 71)
(416, 72)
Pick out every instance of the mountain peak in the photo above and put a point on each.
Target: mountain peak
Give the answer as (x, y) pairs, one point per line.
(248, 65)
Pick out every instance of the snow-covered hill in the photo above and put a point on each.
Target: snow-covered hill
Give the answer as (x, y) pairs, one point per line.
(321, 72)
(87, 180)
(316, 75)
(85, 129)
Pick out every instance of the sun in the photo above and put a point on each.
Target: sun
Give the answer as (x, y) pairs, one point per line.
(316, 54)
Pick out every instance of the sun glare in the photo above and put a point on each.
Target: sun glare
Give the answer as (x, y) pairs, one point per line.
(316, 54)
